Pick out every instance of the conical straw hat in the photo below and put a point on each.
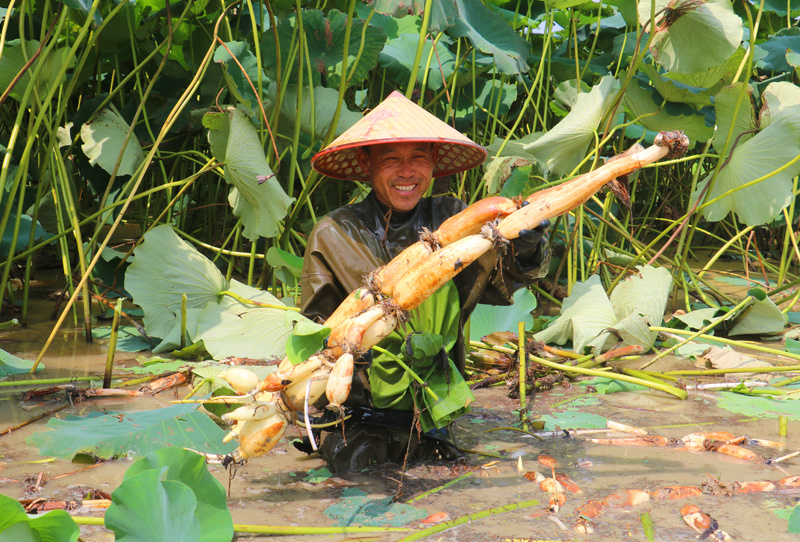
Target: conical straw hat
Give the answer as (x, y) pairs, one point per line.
(398, 119)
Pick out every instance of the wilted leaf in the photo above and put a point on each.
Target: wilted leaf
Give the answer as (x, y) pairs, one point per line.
(103, 137)
(781, 101)
(676, 45)
(165, 268)
(771, 149)
(586, 316)
(486, 319)
(563, 147)
(256, 197)
(490, 34)
(764, 318)
(107, 436)
(726, 358)
(639, 302)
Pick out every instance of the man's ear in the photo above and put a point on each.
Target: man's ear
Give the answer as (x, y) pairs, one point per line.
(363, 159)
(435, 154)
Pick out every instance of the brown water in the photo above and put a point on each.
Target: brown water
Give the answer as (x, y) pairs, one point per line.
(271, 490)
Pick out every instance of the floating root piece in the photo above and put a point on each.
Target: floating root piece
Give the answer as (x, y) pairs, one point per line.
(676, 492)
(652, 440)
(733, 451)
(626, 499)
(702, 523)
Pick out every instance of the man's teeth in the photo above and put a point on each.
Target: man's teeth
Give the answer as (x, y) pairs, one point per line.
(405, 188)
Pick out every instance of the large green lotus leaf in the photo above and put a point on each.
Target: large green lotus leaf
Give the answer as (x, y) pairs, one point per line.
(764, 318)
(781, 101)
(714, 76)
(443, 12)
(490, 34)
(13, 61)
(12, 365)
(256, 197)
(16, 526)
(514, 147)
(318, 124)
(231, 328)
(108, 436)
(672, 92)
(565, 95)
(564, 4)
(487, 319)
(586, 318)
(398, 59)
(148, 508)
(793, 59)
(692, 36)
(563, 147)
(639, 302)
(771, 149)
(744, 121)
(781, 7)
(325, 39)
(103, 137)
(235, 78)
(775, 49)
(639, 102)
(190, 469)
(166, 267)
(474, 102)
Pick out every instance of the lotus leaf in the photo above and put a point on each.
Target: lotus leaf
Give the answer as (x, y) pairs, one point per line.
(676, 45)
(488, 33)
(16, 526)
(256, 197)
(563, 147)
(13, 365)
(772, 149)
(103, 136)
(398, 59)
(651, 115)
(745, 120)
(237, 82)
(487, 319)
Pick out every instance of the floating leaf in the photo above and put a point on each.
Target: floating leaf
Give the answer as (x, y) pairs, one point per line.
(794, 520)
(355, 507)
(487, 319)
(573, 420)
(609, 385)
(490, 34)
(563, 147)
(771, 149)
(103, 137)
(12, 365)
(675, 42)
(108, 436)
(165, 268)
(256, 197)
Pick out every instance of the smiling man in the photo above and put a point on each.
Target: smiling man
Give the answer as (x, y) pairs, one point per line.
(398, 148)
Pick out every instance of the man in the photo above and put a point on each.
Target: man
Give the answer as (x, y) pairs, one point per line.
(398, 148)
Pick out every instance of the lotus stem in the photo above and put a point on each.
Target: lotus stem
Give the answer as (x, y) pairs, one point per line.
(246, 301)
(112, 344)
(467, 519)
(679, 393)
(740, 344)
(49, 381)
(438, 489)
(523, 375)
(183, 321)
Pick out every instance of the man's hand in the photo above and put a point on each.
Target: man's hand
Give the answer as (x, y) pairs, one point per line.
(529, 241)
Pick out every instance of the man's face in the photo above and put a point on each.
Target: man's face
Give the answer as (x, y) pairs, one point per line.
(400, 172)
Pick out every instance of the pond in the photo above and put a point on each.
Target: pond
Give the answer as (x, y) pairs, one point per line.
(288, 488)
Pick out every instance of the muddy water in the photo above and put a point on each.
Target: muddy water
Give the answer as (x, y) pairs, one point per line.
(273, 490)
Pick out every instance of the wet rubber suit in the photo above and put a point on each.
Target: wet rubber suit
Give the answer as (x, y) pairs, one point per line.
(356, 239)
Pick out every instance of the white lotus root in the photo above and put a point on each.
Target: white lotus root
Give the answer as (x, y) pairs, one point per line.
(367, 315)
